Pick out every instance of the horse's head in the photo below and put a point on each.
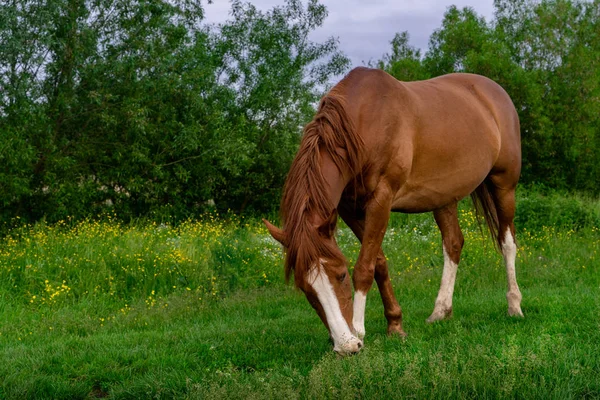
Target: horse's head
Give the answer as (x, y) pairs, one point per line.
(325, 281)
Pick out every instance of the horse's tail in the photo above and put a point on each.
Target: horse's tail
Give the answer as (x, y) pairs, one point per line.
(486, 208)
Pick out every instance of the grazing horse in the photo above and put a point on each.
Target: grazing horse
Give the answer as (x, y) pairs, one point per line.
(378, 145)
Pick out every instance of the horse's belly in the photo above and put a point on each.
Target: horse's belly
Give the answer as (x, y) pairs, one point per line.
(424, 195)
(422, 201)
(445, 170)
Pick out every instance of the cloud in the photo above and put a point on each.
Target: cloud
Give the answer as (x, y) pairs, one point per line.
(370, 40)
(365, 28)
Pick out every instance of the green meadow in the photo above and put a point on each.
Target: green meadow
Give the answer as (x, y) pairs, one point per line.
(200, 310)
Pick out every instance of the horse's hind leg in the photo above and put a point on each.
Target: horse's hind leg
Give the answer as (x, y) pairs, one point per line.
(452, 241)
(504, 200)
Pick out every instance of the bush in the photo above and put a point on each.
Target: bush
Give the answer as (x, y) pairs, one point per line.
(536, 210)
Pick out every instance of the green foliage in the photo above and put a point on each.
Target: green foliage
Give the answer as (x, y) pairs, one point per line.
(545, 55)
(277, 72)
(405, 61)
(141, 108)
(536, 210)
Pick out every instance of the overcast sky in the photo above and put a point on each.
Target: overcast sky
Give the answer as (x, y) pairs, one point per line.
(366, 27)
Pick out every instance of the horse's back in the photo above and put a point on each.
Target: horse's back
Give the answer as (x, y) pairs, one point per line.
(468, 112)
(435, 141)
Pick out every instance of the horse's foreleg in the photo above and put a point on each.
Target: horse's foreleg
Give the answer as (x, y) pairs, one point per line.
(452, 241)
(377, 213)
(392, 310)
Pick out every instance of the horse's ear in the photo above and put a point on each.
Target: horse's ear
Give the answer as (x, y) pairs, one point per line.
(327, 228)
(277, 233)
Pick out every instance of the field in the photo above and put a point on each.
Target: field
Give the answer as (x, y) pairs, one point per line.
(199, 309)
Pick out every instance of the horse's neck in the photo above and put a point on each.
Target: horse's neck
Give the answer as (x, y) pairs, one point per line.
(335, 183)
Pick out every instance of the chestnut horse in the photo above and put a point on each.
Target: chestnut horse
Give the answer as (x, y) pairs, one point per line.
(378, 145)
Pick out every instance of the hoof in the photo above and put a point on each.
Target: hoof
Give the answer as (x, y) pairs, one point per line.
(396, 330)
(439, 315)
(514, 303)
(360, 334)
(515, 312)
(350, 347)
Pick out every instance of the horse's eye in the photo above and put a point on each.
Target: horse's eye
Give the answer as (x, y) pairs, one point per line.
(341, 277)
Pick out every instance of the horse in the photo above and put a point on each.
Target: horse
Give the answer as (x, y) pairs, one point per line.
(378, 145)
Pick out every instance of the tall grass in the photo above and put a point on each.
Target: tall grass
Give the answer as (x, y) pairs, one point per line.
(44, 265)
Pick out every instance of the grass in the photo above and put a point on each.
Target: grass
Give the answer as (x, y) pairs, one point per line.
(199, 310)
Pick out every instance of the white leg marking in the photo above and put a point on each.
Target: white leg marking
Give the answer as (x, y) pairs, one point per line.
(358, 318)
(509, 251)
(443, 303)
(344, 341)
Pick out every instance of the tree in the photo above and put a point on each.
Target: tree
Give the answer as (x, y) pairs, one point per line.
(278, 74)
(405, 62)
(139, 107)
(545, 55)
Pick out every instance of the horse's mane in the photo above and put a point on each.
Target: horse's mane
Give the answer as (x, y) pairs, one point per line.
(305, 190)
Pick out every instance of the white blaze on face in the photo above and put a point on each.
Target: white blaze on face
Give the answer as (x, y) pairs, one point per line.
(358, 318)
(343, 339)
